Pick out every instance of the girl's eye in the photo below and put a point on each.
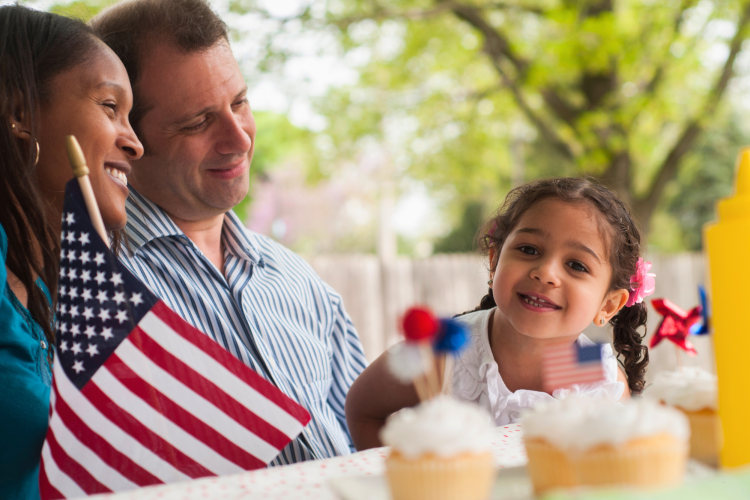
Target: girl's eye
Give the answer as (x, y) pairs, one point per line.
(577, 266)
(528, 250)
(112, 106)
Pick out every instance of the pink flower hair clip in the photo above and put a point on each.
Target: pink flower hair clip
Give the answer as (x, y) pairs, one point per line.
(642, 283)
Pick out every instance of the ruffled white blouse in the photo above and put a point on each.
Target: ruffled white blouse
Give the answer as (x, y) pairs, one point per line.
(476, 377)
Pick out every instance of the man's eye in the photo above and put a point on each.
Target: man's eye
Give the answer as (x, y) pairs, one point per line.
(528, 250)
(195, 128)
(577, 266)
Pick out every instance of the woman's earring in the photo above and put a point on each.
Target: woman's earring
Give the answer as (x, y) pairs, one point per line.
(490, 282)
(601, 321)
(36, 160)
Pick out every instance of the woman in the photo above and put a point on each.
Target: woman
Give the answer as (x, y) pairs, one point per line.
(56, 79)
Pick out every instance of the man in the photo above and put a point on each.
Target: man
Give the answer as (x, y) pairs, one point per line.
(257, 299)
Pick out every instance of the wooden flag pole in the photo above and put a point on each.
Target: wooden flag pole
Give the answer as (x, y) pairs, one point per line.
(81, 172)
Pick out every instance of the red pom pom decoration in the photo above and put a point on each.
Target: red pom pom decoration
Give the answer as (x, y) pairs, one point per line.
(420, 324)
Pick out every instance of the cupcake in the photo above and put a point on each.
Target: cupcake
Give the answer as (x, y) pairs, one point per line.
(440, 450)
(694, 392)
(592, 442)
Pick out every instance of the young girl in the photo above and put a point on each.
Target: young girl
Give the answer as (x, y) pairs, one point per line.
(562, 253)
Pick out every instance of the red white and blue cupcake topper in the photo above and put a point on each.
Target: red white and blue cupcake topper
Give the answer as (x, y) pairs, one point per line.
(676, 325)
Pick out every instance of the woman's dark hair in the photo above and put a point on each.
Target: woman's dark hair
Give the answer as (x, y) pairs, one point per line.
(34, 48)
(624, 250)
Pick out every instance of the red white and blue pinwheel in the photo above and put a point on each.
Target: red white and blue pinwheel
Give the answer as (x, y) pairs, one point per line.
(676, 325)
(703, 327)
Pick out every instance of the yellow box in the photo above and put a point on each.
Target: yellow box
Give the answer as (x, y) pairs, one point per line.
(728, 247)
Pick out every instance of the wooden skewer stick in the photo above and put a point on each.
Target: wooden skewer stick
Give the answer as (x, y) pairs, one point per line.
(420, 384)
(430, 373)
(81, 172)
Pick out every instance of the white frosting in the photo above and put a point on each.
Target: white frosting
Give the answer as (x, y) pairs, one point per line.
(690, 388)
(443, 426)
(581, 423)
(405, 362)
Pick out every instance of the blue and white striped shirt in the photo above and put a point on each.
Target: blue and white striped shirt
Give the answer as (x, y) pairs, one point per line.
(269, 309)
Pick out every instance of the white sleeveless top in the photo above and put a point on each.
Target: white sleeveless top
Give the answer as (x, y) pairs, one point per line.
(476, 377)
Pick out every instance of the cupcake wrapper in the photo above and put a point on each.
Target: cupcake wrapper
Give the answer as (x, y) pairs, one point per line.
(466, 477)
(705, 436)
(653, 462)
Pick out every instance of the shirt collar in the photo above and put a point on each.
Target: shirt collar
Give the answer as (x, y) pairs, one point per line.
(147, 222)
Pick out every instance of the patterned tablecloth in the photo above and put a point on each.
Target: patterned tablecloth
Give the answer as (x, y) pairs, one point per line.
(307, 480)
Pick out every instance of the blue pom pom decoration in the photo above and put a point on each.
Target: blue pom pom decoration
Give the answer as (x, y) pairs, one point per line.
(452, 337)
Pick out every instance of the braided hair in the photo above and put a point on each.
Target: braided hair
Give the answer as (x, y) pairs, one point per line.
(625, 246)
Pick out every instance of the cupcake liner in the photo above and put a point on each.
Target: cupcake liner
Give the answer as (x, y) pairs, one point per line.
(651, 462)
(705, 435)
(464, 477)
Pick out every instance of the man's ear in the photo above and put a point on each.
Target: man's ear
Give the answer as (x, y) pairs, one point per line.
(613, 302)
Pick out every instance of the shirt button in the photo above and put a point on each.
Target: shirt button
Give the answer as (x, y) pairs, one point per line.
(44, 344)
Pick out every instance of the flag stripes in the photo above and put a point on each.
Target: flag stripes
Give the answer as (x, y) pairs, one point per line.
(566, 364)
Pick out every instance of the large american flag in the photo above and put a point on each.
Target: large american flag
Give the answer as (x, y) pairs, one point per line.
(565, 364)
(139, 396)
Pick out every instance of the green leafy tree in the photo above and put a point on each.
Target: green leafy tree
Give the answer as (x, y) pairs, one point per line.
(620, 90)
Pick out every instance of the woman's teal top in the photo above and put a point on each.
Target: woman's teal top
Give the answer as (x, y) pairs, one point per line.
(25, 378)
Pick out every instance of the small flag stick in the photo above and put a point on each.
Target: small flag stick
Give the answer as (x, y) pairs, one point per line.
(81, 172)
(430, 371)
(420, 385)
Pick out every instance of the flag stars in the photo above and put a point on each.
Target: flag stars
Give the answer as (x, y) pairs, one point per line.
(64, 346)
(84, 258)
(119, 297)
(86, 294)
(121, 316)
(78, 366)
(76, 349)
(63, 291)
(92, 350)
(107, 333)
(100, 278)
(84, 239)
(101, 296)
(71, 255)
(71, 237)
(116, 279)
(70, 218)
(86, 275)
(136, 299)
(72, 274)
(63, 308)
(74, 312)
(63, 328)
(90, 332)
(104, 314)
(75, 329)
(63, 273)
(99, 259)
(88, 312)
(73, 293)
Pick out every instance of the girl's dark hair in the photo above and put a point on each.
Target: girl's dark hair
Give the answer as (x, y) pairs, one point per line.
(625, 247)
(34, 48)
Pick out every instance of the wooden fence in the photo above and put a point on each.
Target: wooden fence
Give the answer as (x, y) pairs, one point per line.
(376, 293)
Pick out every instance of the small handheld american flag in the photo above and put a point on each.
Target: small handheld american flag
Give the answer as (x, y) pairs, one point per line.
(565, 364)
(139, 396)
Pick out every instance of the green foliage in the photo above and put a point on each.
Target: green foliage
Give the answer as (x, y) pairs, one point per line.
(83, 10)
(461, 238)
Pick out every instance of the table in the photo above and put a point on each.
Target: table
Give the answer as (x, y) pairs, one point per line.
(306, 480)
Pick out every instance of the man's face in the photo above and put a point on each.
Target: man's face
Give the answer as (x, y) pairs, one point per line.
(199, 132)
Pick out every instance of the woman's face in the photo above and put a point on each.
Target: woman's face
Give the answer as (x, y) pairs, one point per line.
(91, 102)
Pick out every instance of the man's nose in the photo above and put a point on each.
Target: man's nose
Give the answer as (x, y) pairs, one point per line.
(234, 138)
(546, 272)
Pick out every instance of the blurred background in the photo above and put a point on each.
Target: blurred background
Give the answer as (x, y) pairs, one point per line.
(389, 130)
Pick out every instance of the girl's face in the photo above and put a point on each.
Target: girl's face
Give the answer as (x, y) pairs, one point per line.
(553, 275)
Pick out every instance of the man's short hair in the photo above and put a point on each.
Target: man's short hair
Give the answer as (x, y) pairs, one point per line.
(131, 27)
